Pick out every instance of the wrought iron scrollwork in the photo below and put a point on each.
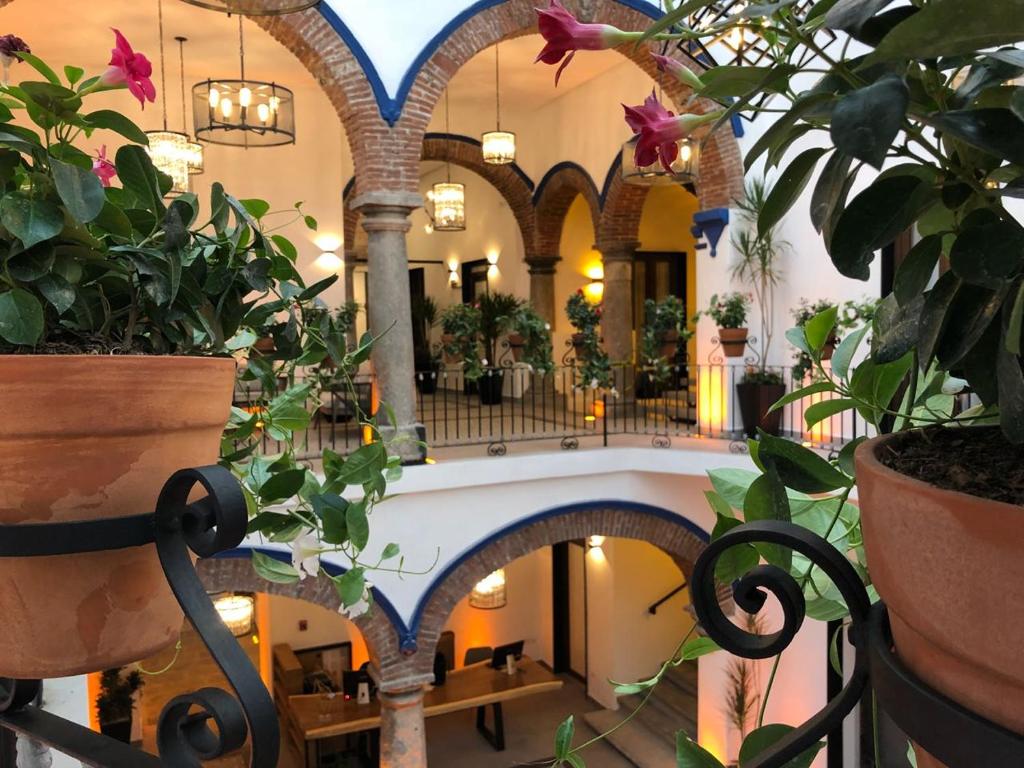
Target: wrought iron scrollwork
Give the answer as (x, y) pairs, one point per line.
(749, 593)
(497, 449)
(213, 524)
(570, 443)
(661, 441)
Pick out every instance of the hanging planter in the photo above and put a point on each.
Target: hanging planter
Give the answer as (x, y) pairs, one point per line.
(98, 440)
(734, 341)
(517, 345)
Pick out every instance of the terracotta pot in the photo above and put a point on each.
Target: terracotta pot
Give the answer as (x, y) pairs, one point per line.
(578, 345)
(517, 344)
(86, 437)
(734, 341)
(830, 348)
(447, 340)
(669, 343)
(950, 568)
(264, 346)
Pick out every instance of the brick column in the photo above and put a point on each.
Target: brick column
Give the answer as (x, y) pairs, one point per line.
(617, 312)
(403, 740)
(542, 285)
(385, 217)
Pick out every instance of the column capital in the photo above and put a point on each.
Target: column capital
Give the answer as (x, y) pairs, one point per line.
(542, 265)
(384, 211)
(620, 251)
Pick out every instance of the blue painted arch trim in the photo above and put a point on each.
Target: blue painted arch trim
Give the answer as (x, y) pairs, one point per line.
(613, 170)
(476, 143)
(565, 165)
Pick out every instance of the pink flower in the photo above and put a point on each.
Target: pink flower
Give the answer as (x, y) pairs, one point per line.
(565, 35)
(11, 46)
(660, 131)
(130, 69)
(103, 168)
(678, 70)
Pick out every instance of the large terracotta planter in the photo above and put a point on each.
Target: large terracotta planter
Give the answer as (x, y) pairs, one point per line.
(950, 568)
(86, 437)
(734, 341)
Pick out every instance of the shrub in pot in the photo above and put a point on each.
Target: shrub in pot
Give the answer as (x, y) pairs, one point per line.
(113, 301)
(427, 357)
(664, 329)
(851, 315)
(460, 340)
(530, 339)
(594, 368)
(115, 703)
(729, 312)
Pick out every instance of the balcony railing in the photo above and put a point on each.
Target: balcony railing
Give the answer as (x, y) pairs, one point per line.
(696, 401)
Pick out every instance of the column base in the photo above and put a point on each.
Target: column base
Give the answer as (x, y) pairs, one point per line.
(407, 441)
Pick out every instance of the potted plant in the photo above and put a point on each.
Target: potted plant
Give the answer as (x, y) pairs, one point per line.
(530, 339)
(851, 315)
(496, 311)
(664, 328)
(115, 703)
(594, 367)
(729, 312)
(460, 342)
(113, 301)
(427, 357)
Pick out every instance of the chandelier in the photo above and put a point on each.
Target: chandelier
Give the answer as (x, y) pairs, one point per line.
(491, 592)
(243, 113)
(236, 611)
(499, 147)
(448, 197)
(172, 153)
(255, 7)
(195, 149)
(684, 169)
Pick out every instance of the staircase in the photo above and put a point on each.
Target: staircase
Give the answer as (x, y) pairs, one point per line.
(649, 739)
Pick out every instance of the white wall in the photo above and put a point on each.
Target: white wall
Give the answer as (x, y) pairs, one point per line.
(323, 627)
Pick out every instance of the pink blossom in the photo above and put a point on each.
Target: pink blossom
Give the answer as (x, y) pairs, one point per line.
(103, 168)
(565, 35)
(130, 69)
(678, 70)
(660, 131)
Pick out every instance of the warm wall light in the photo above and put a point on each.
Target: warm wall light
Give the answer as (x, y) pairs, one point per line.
(236, 611)
(594, 290)
(490, 593)
(599, 409)
(596, 541)
(492, 256)
(453, 274)
(329, 262)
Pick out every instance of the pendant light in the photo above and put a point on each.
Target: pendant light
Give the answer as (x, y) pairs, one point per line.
(255, 7)
(490, 593)
(499, 147)
(169, 150)
(448, 197)
(243, 112)
(195, 149)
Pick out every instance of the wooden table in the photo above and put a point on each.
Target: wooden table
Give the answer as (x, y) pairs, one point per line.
(313, 718)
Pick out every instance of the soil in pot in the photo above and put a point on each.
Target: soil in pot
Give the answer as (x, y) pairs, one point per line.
(733, 340)
(86, 437)
(490, 387)
(942, 516)
(755, 399)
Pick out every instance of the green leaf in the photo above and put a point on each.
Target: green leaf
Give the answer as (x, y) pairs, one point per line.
(575, 761)
(787, 189)
(951, 28)
(819, 329)
(358, 524)
(727, 82)
(33, 264)
(1011, 395)
(865, 122)
(563, 738)
(732, 484)
(1014, 329)
(799, 394)
(934, 315)
(697, 647)
(256, 208)
(390, 551)
(310, 222)
(30, 220)
(39, 66)
(351, 586)
(843, 356)
(989, 249)
(739, 559)
(801, 468)
(996, 131)
(825, 409)
(58, 291)
(110, 120)
(829, 188)
(759, 740)
(690, 754)
(363, 463)
(21, 317)
(138, 176)
(273, 569)
(897, 329)
(916, 271)
(282, 486)
(73, 74)
(873, 219)
(80, 189)
(767, 500)
(972, 310)
(850, 15)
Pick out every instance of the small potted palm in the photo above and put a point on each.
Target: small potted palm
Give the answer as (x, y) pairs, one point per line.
(115, 703)
(426, 356)
(496, 313)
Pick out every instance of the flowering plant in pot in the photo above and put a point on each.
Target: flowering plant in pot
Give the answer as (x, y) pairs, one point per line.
(594, 365)
(928, 90)
(460, 325)
(664, 330)
(530, 339)
(729, 312)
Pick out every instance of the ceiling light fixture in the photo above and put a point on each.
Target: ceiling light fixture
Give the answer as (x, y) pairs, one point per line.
(169, 150)
(490, 593)
(196, 161)
(236, 611)
(448, 197)
(243, 113)
(498, 146)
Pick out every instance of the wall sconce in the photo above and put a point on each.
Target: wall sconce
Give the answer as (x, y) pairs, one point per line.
(595, 542)
(594, 290)
(490, 593)
(328, 261)
(492, 263)
(454, 281)
(236, 611)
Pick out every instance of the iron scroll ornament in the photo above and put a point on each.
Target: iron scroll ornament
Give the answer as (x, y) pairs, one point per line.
(749, 594)
(212, 524)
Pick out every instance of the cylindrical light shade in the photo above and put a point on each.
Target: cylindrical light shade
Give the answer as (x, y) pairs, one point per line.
(684, 169)
(196, 162)
(171, 154)
(499, 147)
(449, 200)
(255, 7)
(491, 592)
(243, 113)
(236, 611)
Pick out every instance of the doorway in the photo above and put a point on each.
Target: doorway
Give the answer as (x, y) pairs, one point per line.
(474, 280)
(569, 604)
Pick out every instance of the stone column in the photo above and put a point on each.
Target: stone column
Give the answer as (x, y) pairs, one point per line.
(385, 217)
(542, 286)
(617, 311)
(403, 741)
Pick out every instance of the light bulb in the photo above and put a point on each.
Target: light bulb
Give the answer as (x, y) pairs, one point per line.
(685, 152)
(226, 107)
(428, 228)
(244, 97)
(275, 102)
(214, 98)
(263, 112)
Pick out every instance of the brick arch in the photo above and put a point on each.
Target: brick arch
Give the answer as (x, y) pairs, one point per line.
(555, 193)
(623, 207)
(721, 161)
(233, 571)
(670, 532)
(510, 180)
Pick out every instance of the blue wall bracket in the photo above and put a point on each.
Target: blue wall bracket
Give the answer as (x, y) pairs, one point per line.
(710, 224)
